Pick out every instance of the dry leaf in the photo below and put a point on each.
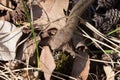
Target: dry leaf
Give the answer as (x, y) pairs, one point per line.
(109, 72)
(81, 67)
(54, 9)
(47, 63)
(5, 53)
(84, 74)
(9, 36)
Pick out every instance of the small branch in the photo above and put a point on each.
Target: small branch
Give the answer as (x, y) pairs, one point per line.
(102, 61)
(70, 77)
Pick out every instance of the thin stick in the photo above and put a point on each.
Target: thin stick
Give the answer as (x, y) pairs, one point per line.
(65, 75)
(102, 61)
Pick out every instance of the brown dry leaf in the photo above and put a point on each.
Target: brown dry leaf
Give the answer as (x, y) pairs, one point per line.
(47, 63)
(81, 67)
(55, 7)
(84, 74)
(109, 72)
(54, 10)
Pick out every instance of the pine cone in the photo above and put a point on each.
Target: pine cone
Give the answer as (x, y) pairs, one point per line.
(105, 22)
(106, 3)
(112, 17)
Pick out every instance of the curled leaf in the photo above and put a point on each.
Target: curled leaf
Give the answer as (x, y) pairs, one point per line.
(47, 63)
(81, 67)
(9, 36)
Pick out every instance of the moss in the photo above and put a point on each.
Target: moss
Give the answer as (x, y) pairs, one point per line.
(64, 63)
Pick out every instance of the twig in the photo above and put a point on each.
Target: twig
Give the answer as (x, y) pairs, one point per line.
(101, 61)
(9, 70)
(65, 75)
(35, 69)
(58, 77)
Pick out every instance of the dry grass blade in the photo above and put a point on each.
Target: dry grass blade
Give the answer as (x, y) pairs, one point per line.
(95, 40)
(58, 77)
(96, 43)
(99, 33)
(33, 68)
(70, 77)
(4, 78)
(101, 61)
(115, 39)
(9, 70)
(21, 42)
(4, 75)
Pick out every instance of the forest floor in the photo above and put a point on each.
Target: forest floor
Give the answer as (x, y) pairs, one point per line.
(59, 39)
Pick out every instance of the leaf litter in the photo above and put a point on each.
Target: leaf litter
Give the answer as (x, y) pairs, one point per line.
(56, 25)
